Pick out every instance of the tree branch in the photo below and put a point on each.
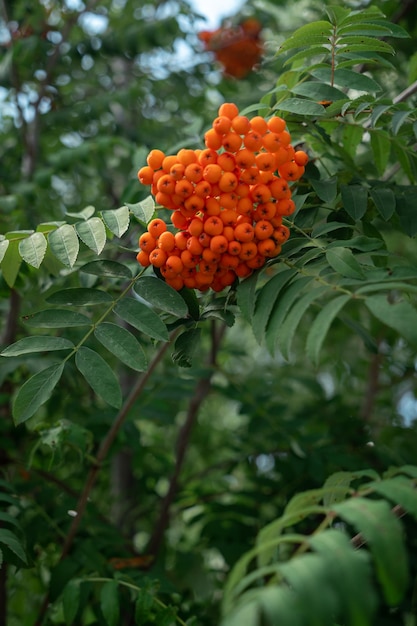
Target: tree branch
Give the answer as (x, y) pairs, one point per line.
(201, 392)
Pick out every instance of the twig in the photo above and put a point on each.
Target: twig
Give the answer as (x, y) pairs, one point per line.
(201, 392)
(101, 455)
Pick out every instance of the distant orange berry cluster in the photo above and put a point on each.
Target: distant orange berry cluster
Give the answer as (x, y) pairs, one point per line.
(227, 202)
(237, 48)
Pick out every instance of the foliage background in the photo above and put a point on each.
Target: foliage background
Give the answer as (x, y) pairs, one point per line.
(205, 456)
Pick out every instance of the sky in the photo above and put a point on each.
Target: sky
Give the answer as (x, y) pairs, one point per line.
(216, 10)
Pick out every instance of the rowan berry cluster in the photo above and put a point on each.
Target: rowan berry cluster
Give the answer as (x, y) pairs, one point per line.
(227, 202)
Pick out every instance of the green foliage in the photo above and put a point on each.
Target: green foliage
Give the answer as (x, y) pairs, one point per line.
(202, 458)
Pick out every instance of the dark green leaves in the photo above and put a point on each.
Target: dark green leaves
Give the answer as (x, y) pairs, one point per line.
(120, 342)
(141, 317)
(35, 391)
(161, 296)
(355, 200)
(99, 376)
(399, 315)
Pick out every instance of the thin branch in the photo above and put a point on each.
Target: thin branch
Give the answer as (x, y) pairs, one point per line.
(201, 392)
(101, 456)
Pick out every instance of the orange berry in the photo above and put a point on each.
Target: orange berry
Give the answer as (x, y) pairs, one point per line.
(203, 280)
(145, 175)
(248, 251)
(176, 283)
(264, 211)
(219, 244)
(212, 206)
(213, 225)
(202, 189)
(284, 137)
(222, 124)
(212, 173)
(194, 203)
(244, 232)
(189, 259)
(210, 256)
(179, 220)
(186, 156)
(166, 241)
(229, 261)
(194, 246)
(164, 199)
(232, 142)
(158, 257)
(271, 142)
(193, 172)
(168, 162)
(229, 232)
(244, 206)
(226, 161)
(155, 158)
(259, 124)
(207, 157)
(266, 247)
(245, 158)
(184, 189)
(243, 270)
(242, 189)
(228, 278)
(260, 193)
(228, 200)
(195, 227)
(263, 230)
(174, 264)
(166, 184)
(229, 109)
(204, 239)
(147, 242)
(256, 262)
(207, 267)
(301, 157)
(181, 239)
(290, 171)
(234, 247)
(278, 188)
(212, 139)
(156, 227)
(228, 182)
(281, 234)
(253, 141)
(142, 257)
(177, 171)
(286, 206)
(265, 161)
(228, 217)
(276, 124)
(250, 175)
(241, 124)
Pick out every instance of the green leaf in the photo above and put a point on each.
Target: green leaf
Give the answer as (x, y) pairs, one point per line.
(84, 214)
(99, 376)
(384, 199)
(382, 531)
(352, 136)
(56, 318)
(398, 120)
(143, 607)
(379, 110)
(381, 148)
(117, 220)
(4, 244)
(120, 342)
(36, 343)
(141, 317)
(281, 308)
(33, 248)
(321, 325)
(185, 347)
(245, 295)
(300, 106)
(343, 262)
(325, 189)
(35, 392)
(71, 601)
(406, 208)
(144, 210)
(362, 43)
(107, 269)
(347, 78)
(64, 244)
(79, 296)
(11, 541)
(109, 603)
(318, 32)
(355, 200)
(291, 322)
(315, 90)
(399, 315)
(92, 233)
(11, 263)
(349, 574)
(266, 299)
(399, 490)
(158, 293)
